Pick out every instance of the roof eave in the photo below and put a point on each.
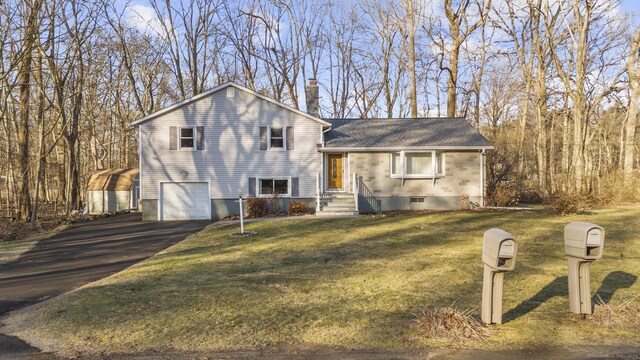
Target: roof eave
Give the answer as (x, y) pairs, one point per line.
(400, 148)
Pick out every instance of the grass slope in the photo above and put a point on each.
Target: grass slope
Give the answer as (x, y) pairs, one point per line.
(12, 250)
(354, 283)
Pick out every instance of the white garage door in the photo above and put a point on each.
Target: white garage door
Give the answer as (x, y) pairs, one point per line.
(185, 201)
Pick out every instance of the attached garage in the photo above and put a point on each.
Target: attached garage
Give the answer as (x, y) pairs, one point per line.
(184, 201)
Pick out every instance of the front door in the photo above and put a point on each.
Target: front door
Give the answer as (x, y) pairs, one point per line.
(334, 164)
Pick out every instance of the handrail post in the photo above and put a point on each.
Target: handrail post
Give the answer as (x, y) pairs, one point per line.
(317, 192)
(355, 190)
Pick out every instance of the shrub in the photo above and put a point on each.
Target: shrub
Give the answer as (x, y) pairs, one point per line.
(506, 194)
(614, 189)
(298, 208)
(256, 207)
(465, 202)
(275, 201)
(567, 204)
(530, 196)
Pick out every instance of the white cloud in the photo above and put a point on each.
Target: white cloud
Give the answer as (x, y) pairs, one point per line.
(144, 19)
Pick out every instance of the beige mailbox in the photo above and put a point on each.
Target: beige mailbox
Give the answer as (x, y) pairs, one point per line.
(583, 244)
(499, 249)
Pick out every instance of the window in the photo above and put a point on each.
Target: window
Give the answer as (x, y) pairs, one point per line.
(273, 186)
(416, 199)
(277, 138)
(187, 137)
(417, 165)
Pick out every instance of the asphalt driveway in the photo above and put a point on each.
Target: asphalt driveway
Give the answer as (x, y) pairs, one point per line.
(84, 253)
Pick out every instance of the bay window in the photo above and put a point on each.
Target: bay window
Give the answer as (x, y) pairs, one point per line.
(417, 164)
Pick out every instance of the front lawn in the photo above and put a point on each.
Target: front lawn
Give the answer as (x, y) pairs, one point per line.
(12, 250)
(346, 283)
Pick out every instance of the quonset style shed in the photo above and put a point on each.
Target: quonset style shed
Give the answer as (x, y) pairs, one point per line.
(113, 190)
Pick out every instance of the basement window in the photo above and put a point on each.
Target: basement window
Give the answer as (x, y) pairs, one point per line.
(417, 199)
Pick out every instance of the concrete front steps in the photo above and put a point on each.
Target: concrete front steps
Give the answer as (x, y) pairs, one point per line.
(337, 204)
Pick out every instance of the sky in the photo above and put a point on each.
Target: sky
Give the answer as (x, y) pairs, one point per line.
(143, 17)
(632, 7)
(141, 7)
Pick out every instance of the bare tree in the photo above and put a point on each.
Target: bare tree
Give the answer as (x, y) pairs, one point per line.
(31, 29)
(633, 72)
(450, 38)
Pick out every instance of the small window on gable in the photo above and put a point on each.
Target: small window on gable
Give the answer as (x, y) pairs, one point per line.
(277, 138)
(187, 138)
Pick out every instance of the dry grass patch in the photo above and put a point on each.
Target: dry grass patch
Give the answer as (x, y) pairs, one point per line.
(449, 323)
(623, 315)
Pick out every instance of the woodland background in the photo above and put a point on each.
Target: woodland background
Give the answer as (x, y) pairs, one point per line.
(554, 84)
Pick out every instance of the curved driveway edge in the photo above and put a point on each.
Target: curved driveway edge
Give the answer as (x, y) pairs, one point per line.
(84, 253)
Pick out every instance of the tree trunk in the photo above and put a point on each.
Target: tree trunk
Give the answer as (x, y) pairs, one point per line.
(24, 79)
(41, 135)
(633, 70)
(452, 84)
(413, 97)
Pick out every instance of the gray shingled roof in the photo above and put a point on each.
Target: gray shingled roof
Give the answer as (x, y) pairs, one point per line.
(422, 132)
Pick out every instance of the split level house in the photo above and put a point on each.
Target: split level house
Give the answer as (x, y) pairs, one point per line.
(198, 155)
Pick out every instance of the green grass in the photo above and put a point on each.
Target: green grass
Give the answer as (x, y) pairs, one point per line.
(12, 250)
(353, 283)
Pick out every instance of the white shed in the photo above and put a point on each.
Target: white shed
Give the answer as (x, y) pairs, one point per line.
(113, 190)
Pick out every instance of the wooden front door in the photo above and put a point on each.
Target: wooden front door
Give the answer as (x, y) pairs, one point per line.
(334, 172)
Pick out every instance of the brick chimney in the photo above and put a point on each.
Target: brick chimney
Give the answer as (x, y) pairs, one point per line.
(312, 98)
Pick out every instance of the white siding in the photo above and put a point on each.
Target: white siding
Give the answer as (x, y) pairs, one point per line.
(103, 202)
(232, 146)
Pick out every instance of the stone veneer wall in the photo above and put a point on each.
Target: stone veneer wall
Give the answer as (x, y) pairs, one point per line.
(461, 177)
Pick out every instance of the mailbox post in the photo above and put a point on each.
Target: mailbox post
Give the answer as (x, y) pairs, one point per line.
(499, 249)
(583, 243)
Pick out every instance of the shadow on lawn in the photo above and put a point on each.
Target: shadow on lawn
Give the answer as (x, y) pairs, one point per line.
(560, 287)
(612, 282)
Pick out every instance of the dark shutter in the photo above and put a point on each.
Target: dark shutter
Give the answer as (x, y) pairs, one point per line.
(173, 138)
(290, 137)
(263, 138)
(295, 186)
(200, 135)
(252, 186)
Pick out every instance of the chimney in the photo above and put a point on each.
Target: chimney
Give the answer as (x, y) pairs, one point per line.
(312, 98)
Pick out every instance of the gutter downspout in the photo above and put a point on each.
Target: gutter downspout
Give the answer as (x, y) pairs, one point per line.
(482, 166)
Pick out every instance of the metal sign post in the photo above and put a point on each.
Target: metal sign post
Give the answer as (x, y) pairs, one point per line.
(240, 202)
